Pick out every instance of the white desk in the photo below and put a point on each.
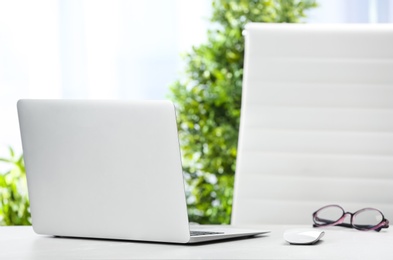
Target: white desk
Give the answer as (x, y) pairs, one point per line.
(338, 243)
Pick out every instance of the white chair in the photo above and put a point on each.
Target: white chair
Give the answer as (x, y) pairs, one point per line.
(316, 122)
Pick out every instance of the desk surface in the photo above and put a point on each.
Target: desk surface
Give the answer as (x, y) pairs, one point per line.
(338, 243)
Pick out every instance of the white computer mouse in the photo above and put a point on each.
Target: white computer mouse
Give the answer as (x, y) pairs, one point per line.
(303, 236)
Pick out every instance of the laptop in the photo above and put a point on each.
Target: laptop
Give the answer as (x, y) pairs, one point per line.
(109, 169)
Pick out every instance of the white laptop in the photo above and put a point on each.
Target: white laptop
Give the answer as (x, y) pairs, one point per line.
(108, 169)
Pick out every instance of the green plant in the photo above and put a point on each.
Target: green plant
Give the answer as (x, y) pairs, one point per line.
(14, 202)
(208, 101)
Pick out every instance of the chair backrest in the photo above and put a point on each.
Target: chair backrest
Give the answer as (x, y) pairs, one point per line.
(316, 122)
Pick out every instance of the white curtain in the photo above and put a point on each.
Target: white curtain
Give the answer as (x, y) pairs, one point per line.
(352, 11)
(106, 49)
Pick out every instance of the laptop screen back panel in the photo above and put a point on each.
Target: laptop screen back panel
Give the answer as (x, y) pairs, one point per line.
(107, 169)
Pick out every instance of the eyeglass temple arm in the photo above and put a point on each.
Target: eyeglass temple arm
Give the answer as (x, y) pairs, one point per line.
(329, 222)
(386, 224)
(332, 222)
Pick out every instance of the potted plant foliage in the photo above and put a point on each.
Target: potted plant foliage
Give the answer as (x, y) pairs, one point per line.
(208, 101)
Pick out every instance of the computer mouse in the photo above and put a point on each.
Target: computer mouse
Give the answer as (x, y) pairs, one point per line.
(303, 236)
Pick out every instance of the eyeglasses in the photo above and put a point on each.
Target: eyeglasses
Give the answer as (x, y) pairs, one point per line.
(364, 219)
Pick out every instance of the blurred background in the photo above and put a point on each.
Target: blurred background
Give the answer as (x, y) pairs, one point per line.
(157, 49)
(117, 49)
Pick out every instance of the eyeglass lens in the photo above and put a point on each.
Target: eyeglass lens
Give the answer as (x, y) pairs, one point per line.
(328, 215)
(367, 218)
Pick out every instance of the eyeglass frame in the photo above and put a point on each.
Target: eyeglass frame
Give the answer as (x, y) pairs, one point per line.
(339, 222)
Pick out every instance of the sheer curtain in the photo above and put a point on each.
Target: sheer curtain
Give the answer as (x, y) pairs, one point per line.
(113, 49)
(125, 49)
(352, 11)
(105, 49)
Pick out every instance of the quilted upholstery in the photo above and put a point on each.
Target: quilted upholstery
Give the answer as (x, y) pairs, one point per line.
(316, 122)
